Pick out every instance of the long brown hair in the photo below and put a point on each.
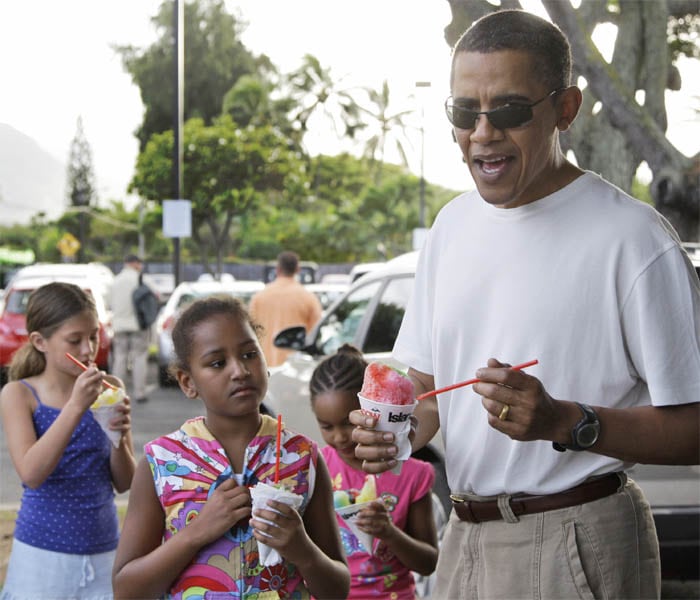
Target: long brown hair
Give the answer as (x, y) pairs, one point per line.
(49, 306)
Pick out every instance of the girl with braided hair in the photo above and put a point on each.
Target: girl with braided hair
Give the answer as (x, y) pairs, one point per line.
(401, 519)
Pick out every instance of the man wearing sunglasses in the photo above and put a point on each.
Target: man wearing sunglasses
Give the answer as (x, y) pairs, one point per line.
(544, 261)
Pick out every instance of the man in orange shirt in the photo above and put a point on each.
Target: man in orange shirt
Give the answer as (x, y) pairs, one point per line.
(283, 303)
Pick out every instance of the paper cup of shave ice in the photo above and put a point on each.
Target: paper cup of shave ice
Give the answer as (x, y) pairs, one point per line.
(350, 514)
(260, 494)
(395, 418)
(104, 409)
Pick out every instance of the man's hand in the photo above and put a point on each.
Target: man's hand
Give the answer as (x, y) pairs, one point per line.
(518, 404)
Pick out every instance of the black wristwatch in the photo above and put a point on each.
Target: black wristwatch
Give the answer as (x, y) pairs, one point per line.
(585, 433)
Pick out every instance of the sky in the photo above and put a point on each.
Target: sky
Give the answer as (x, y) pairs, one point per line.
(58, 65)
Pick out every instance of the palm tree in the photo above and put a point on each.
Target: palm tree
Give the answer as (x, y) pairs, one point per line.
(390, 128)
(316, 92)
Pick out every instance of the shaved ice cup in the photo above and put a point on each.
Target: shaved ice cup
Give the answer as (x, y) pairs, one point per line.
(395, 418)
(260, 494)
(105, 413)
(349, 514)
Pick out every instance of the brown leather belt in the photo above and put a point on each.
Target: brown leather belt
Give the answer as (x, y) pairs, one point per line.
(475, 511)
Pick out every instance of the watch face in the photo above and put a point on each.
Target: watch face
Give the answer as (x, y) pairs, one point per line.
(587, 435)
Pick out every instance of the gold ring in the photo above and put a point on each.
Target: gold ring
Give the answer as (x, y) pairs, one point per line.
(504, 412)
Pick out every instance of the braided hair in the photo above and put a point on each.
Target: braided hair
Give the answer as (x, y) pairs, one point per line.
(343, 371)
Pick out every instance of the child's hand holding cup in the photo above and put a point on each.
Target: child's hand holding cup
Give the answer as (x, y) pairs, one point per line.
(104, 409)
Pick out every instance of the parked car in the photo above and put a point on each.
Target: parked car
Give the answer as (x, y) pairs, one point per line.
(369, 317)
(360, 269)
(161, 283)
(13, 326)
(185, 293)
(96, 276)
(327, 293)
(693, 250)
(307, 271)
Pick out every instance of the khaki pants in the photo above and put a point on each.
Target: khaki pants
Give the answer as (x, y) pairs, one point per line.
(131, 350)
(602, 549)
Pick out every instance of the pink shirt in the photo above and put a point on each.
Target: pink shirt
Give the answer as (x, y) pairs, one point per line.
(380, 575)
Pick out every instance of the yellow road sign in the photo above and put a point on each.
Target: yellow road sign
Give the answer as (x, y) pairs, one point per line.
(68, 245)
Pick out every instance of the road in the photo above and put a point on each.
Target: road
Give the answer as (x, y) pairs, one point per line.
(165, 411)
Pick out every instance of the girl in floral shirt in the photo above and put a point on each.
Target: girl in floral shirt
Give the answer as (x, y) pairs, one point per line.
(188, 531)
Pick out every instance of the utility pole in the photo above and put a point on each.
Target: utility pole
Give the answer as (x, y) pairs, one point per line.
(178, 115)
(421, 214)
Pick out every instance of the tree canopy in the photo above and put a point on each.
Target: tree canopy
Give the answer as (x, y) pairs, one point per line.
(228, 171)
(215, 59)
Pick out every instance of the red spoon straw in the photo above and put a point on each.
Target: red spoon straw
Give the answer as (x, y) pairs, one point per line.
(279, 448)
(470, 381)
(84, 368)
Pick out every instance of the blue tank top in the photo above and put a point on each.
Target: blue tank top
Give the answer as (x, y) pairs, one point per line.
(73, 511)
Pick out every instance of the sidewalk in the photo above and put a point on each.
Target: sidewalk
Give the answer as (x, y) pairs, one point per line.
(165, 411)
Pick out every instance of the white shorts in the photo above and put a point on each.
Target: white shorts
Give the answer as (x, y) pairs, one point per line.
(37, 574)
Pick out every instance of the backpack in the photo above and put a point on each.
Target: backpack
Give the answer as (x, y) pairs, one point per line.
(146, 306)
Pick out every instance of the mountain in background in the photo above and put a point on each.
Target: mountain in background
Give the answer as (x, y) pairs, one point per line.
(31, 180)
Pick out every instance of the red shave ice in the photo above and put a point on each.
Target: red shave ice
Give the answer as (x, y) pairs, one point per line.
(389, 386)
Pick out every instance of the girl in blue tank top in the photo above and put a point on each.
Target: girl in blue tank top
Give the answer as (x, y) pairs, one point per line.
(67, 529)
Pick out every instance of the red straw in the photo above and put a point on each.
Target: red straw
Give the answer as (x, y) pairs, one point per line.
(84, 368)
(471, 381)
(279, 447)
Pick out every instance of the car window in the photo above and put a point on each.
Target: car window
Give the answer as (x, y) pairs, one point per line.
(16, 302)
(340, 326)
(185, 299)
(388, 315)
(243, 296)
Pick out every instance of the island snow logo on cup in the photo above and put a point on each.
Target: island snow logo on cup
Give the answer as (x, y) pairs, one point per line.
(398, 417)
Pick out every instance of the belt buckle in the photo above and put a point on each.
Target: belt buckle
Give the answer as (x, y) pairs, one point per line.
(457, 499)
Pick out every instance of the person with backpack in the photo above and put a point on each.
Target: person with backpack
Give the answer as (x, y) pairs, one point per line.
(131, 334)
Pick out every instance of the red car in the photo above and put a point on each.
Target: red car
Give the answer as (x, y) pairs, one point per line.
(13, 331)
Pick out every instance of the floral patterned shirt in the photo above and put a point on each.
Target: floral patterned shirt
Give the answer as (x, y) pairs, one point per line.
(187, 465)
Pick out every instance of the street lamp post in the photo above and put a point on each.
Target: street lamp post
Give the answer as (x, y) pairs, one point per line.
(421, 214)
(178, 113)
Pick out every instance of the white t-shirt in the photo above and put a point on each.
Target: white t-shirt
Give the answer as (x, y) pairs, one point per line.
(589, 281)
(123, 311)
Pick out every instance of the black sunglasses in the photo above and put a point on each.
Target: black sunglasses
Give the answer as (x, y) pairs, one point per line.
(503, 117)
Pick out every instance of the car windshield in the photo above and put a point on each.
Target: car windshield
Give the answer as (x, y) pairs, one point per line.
(17, 300)
(387, 316)
(186, 298)
(190, 296)
(344, 324)
(340, 327)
